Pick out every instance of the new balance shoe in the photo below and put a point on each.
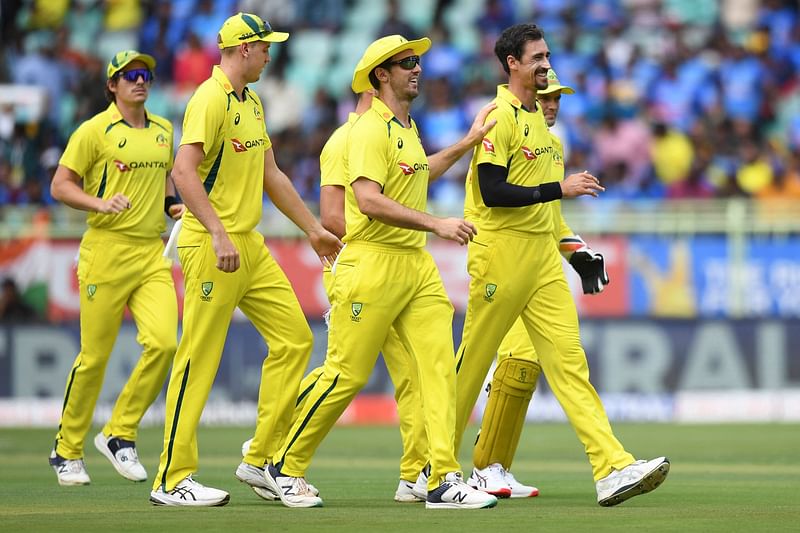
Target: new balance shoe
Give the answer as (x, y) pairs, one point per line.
(490, 480)
(123, 456)
(453, 493)
(293, 491)
(69, 471)
(637, 478)
(405, 493)
(189, 492)
(519, 490)
(420, 489)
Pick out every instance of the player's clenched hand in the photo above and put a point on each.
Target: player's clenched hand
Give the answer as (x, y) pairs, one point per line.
(455, 229)
(176, 211)
(226, 252)
(580, 184)
(326, 244)
(114, 205)
(480, 127)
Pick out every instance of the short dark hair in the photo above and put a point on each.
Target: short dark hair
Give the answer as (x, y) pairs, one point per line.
(512, 41)
(110, 96)
(373, 79)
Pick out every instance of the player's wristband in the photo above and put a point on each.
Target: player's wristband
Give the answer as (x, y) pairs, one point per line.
(169, 201)
(547, 192)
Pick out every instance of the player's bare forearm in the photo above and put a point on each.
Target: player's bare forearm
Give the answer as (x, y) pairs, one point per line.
(280, 190)
(375, 205)
(66, 188)
(331, 209)
(439, 162)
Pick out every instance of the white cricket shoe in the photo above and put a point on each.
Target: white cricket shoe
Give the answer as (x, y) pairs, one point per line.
(405, 493)
(189, 492)
(453, 493)
(69, 471)
(123, 456)
(519, 490)
(637, 478)
(491, 479)
(293, 491)
(420, 489)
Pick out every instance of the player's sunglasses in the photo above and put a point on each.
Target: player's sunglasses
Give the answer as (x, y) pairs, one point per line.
(407, 63)
(263, 31)
(133, 75)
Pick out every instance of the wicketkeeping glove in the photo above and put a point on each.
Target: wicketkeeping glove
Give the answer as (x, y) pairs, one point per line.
(589, 265)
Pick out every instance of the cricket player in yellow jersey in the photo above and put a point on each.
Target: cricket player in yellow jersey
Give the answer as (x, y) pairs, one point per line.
(504, 415)
(515, 270)
(123, 155)
(224, 165)
(384, 278)
(399, 363)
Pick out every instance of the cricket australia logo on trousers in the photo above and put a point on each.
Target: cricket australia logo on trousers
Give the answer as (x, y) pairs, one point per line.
(491, 288)
(91, 289)
(205, 288)
(356, 308)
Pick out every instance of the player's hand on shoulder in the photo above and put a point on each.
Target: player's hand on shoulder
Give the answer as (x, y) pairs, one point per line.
(580, 184)
(480, 126)
(226, 252)
(114, 205)
(455, 229)
(326, 244)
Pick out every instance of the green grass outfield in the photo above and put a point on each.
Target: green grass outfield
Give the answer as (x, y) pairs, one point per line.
(723, 478)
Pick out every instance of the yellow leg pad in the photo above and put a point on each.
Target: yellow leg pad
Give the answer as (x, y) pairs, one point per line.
(511, 390)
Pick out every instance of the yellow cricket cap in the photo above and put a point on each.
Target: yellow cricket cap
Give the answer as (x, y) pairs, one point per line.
(246, 28)
(554, 85)
(381, 50)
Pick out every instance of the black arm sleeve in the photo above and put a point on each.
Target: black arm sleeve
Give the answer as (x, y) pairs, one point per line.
(497, 192)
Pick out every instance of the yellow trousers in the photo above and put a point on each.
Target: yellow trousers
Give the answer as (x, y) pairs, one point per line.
(261, 290)
(403, 373)
(374, 288)
(520, 275)
(114, 272)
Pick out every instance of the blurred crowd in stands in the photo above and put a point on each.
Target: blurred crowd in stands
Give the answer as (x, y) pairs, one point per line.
(675, 98)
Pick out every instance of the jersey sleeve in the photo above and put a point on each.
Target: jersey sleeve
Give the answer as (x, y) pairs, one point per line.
(332, 160)
(203, 119)
(367, 152)
(495, 147)
(82, 150)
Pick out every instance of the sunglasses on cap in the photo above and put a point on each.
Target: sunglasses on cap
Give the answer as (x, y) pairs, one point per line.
(265, 30)
(133, 75)
(407, 63)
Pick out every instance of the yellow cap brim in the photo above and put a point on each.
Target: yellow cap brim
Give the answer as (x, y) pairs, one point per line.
(273, 37)
(565, 89)
(367, 64)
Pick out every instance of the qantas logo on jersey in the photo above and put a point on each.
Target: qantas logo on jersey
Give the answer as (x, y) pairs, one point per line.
(406, 168)
(528, 153)
(239, 146)
(488, 146)
(133, 165)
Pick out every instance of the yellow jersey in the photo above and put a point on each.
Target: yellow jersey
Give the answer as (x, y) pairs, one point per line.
(234, 139)
(332, 159)
(113, 157)
(521, 143)
(560, 228)
(381, 149)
